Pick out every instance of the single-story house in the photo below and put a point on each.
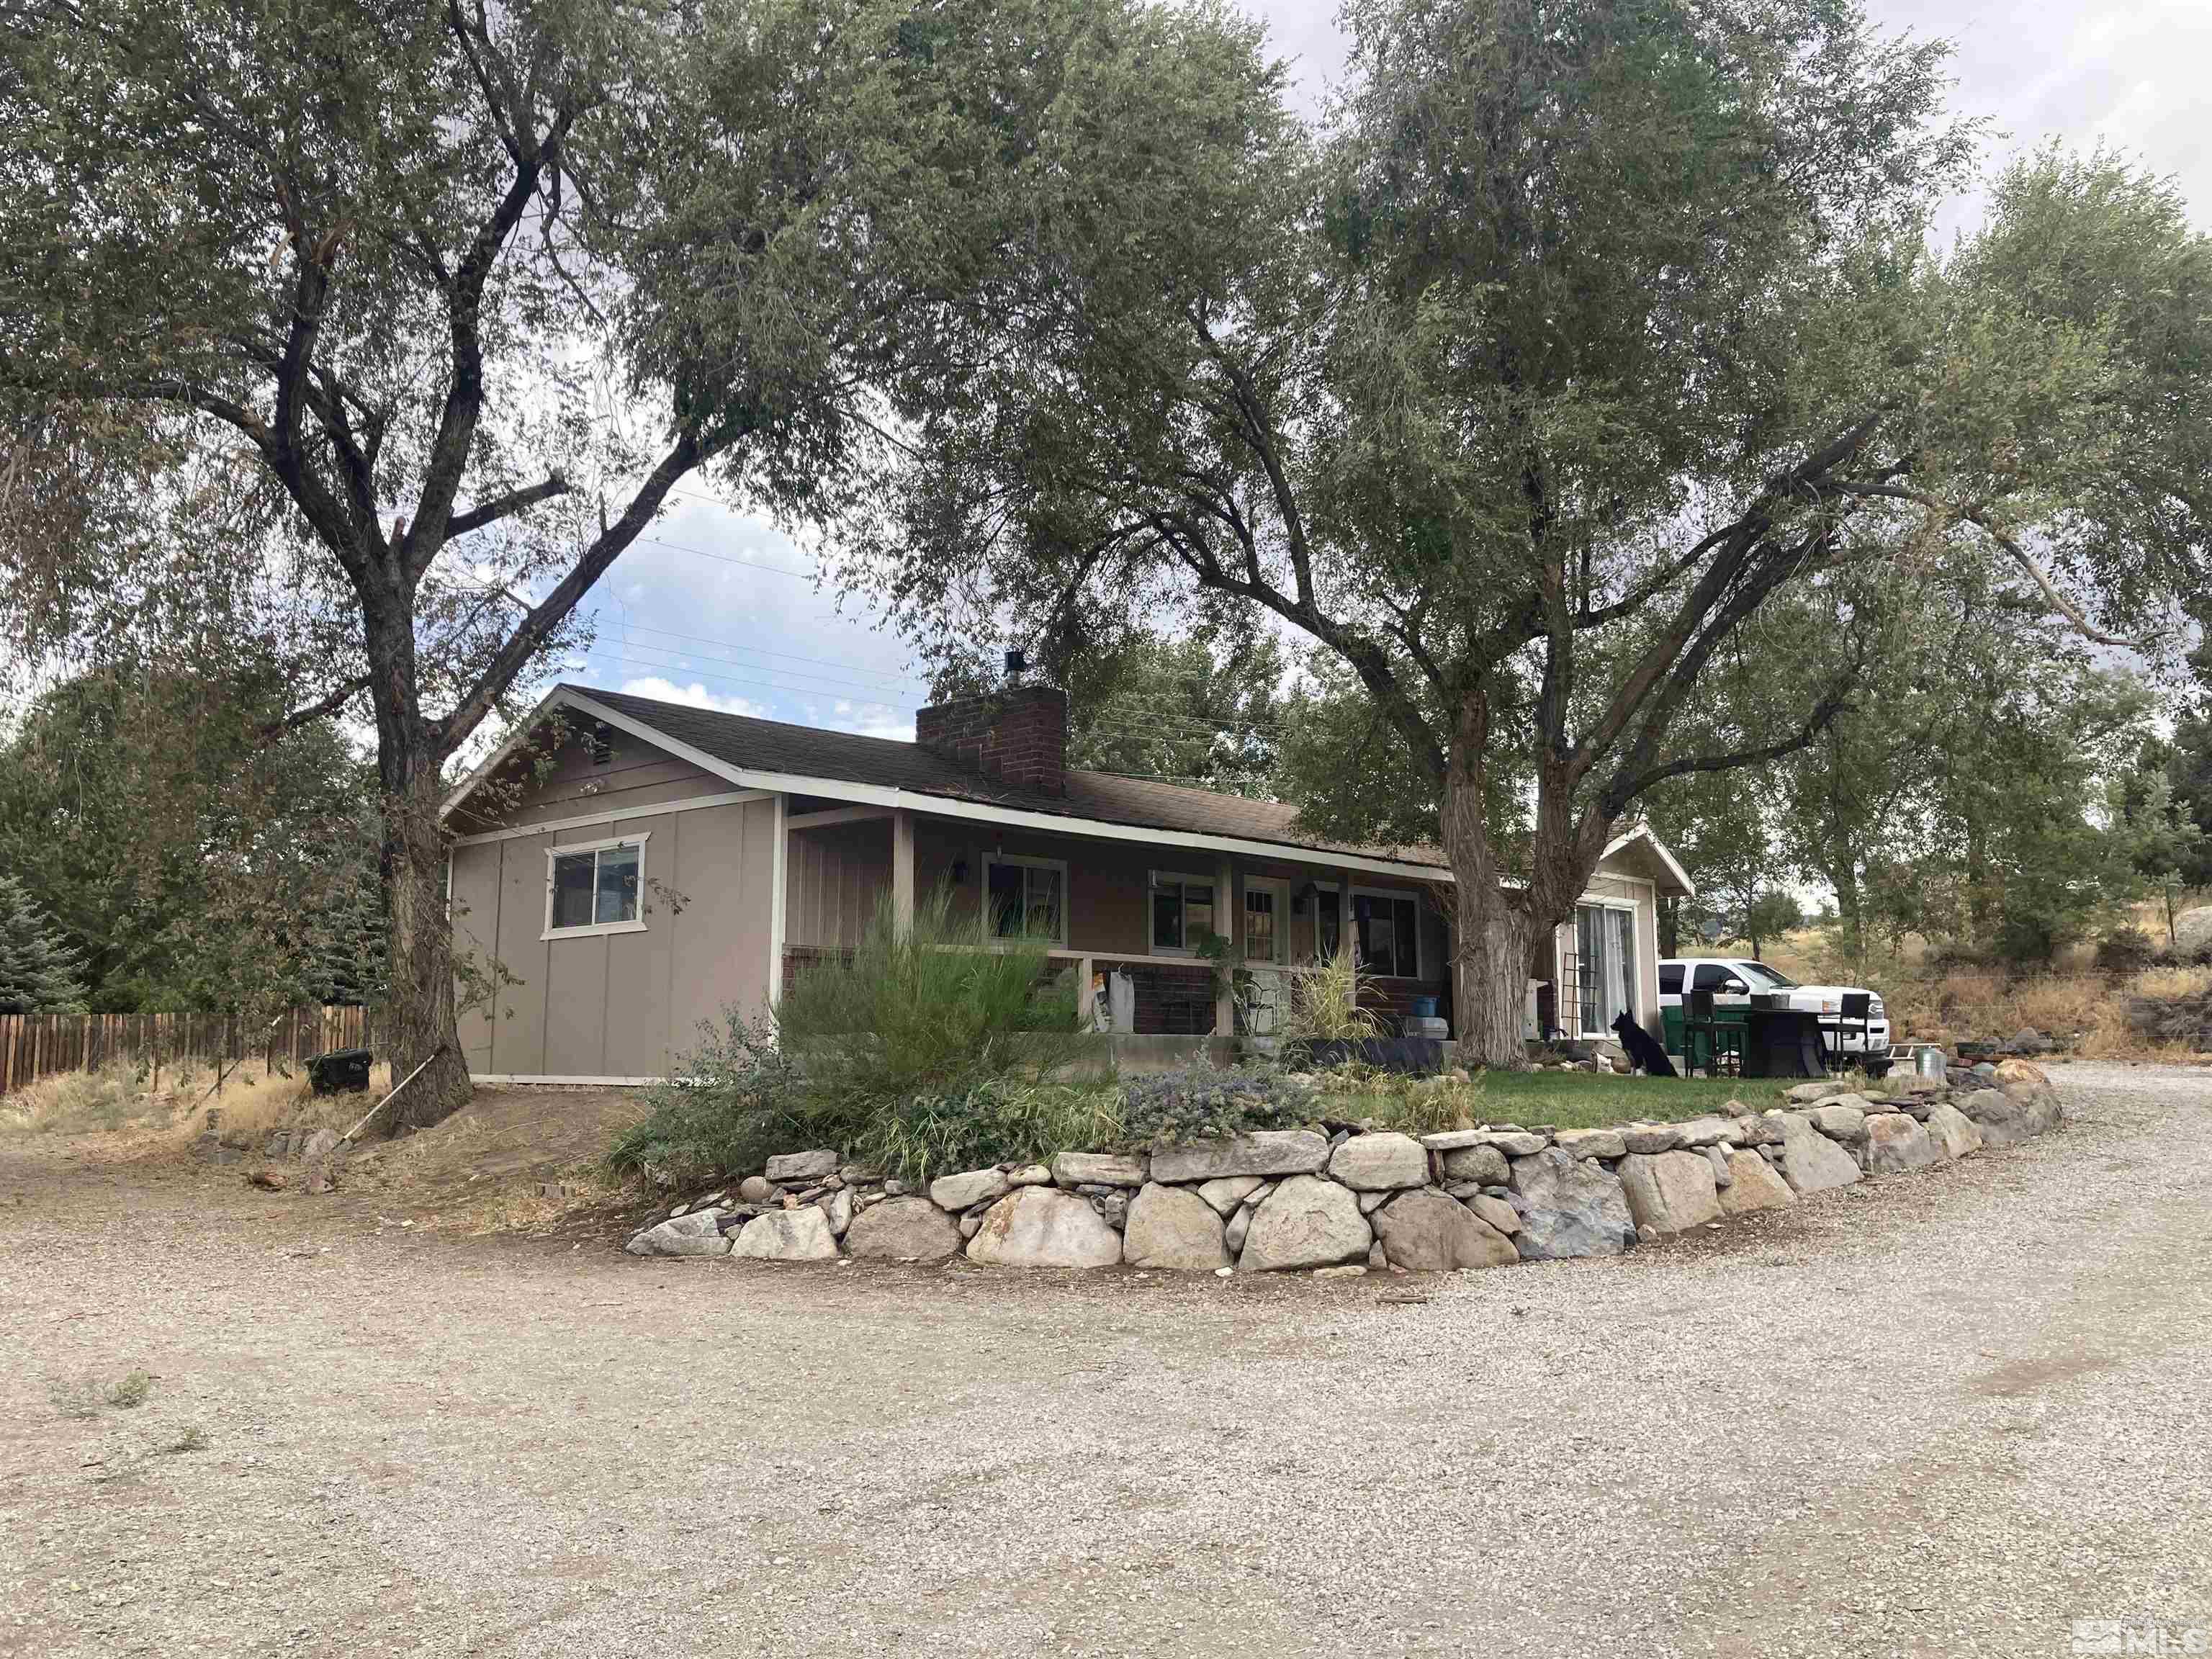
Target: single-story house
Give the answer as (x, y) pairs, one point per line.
(661, 862)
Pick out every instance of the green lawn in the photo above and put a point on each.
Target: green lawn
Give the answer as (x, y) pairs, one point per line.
(1567, 1100)
(1585, 1100)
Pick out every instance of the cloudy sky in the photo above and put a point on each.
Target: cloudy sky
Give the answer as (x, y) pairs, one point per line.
(718, 608)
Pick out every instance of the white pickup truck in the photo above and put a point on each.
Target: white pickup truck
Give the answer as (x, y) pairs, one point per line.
(1734, 980)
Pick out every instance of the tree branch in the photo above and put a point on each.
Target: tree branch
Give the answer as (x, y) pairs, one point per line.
(688, 451)
(338, 698)
(505, 506)
(1973, 515)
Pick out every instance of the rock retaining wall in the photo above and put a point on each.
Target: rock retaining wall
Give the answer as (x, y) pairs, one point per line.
(1345, 1199)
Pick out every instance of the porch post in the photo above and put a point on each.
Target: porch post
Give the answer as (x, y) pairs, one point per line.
(1226, 915)
(902, 870)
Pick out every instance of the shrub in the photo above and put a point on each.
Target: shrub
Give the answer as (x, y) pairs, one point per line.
(1201, 1103)
(1004, 1121)
(2124, 950)
(736, 1100)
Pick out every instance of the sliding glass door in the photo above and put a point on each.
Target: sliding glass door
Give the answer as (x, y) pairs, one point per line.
(1604, 965)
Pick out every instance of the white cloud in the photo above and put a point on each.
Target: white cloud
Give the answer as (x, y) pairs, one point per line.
(694, 696)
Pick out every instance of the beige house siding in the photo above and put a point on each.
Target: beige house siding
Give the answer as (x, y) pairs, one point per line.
(618, 1004)
(574, 783)
(1609, 883)
(836, 874)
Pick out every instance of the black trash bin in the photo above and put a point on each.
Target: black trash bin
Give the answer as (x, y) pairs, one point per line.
(341, 1071)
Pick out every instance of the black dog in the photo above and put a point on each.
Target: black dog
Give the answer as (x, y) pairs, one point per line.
(1642, 1050)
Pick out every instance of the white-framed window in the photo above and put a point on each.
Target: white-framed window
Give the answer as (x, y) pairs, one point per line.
(1026, 897)
(1387, 928)
(1182, 912)
(595, 887)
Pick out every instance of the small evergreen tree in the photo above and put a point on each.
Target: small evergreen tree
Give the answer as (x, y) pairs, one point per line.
(37, 970)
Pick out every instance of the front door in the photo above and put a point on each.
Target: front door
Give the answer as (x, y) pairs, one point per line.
(1267, 922)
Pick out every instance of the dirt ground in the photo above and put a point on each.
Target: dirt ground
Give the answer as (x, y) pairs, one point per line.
(1944, 1413)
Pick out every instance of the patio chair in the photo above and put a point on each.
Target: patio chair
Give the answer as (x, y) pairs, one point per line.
(1698, 1018)
(1856, 1014)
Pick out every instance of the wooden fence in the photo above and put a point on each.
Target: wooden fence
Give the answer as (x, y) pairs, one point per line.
(32, 1045)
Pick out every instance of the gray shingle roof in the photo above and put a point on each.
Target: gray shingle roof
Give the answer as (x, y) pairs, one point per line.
(845, 757)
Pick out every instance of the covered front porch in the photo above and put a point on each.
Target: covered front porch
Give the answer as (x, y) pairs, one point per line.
(1143, 907)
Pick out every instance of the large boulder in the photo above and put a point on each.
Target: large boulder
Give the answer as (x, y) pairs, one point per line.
(698, 1233)
(1895, 1142)
(2192, 930)
(1264, 1153)
(903, 1229)
(1810, 1161)
(1306, 1221)
(1098, 1170)
(1430, 1232)
(802, 1168)
(968, 1188)
(2006, 1119)
(1045, 1227)
(801, 1235)
(1669, 1192)
(1952, 1131)
(1752, 1185)
(1485, 1165)
(1380, 1162)
(1173, 1227)
(1839, 1121)
(1569, 1207)
(2025, 1081)
(1650, 1139)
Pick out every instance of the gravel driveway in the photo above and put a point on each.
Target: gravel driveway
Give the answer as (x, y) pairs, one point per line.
(1944, 1413)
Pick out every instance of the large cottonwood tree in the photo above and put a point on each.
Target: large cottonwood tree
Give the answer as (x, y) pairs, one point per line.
(1584, 329)
(470, 289)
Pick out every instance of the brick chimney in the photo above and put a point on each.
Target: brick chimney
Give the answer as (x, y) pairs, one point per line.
(1019, 734)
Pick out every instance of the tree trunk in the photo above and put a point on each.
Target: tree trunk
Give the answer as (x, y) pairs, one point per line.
(419, 1001)
(1490, 970)
(419, 1017)
(1843, 877)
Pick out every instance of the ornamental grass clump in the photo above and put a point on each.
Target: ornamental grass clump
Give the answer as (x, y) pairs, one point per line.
(1325, 1001)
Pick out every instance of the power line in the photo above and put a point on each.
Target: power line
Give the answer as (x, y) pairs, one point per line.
(628, 626)
(762, 668)
(726, 558)
(669, 668)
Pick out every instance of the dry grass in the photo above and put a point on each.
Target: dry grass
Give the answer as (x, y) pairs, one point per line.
(2079, 1009)
(120, 1100)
